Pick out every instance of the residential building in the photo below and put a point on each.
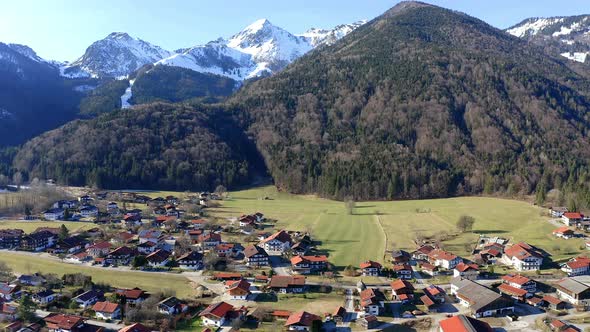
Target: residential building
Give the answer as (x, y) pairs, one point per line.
(309, 264)
(10, 292)
(573, 291)
(523, 257)
(38, 241)
(572, 218)
(287, 284)
(557, 211)
(8, 312)
(147, 247)
(69, 323)
(30, 280)
(403, 271)
(120, 256)
(421, 254)
(564, 232)
(216, 314)
(44, 297)
(238, 290)
(302, 321)
(467, 271)
(522, 282)
(554, 303)
(150, 235)
(88, 298)
(158, 258)
(192, 260)
(88, 211)
(370, 268)
(107, 310)
(577, 266)
(99, 249)
(515, 293)
(463, 323)
(402, 290)
(137, 327)
(11, 238)
(372, 301)
(255, 256)
(54, 214)
(172, 306)
(429, 269)
(133, 296)
(443, 259)
(369, 322)
(277, 244)
(209, 240)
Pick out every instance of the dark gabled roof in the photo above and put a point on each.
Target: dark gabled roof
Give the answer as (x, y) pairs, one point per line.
(286, 281)
(252, 250)
(89, 295)
(190, 256)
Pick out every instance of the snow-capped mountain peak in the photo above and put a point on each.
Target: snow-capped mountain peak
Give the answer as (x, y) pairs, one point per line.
(26, 51)
(317, 37)
(117, 55)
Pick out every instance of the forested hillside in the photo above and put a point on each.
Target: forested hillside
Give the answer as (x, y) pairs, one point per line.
(421, 102)
(155, 146)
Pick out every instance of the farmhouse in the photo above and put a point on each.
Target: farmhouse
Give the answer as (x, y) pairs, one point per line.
(577, 266)
(309, 264)
(158, 258)
(463, 323)
(516, 293)
(564, 232)
(31, 279)
(429, 269)
(10, 292)
(216, 314)
(370, 268)
(54, 214)
(573, 291)
(372, 301)
(192, 260)
(400, 256)
(107, 310)
(402, 290)
(444, 259)
(99, 249)
(369, 322)
(403, 271)
(421, 254)
(8, 312)
(557, 211)
(302, 321)
(88, 211)
(255, 256)
(287, 284)
(238, 290)
(209, 240)
(120, 256)
(64, 323)
(523, 257)
(10, 238)
(171, 306)
(572, 218)
(554, 303)
(482, 301)
(150, 235)
(136, 327)
(132, 296)
(277, 244)
(466, 271)
(147, 248)
(521, 282)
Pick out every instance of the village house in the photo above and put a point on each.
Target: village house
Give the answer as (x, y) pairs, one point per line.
(521, 282)
(309, 264)
(421, 254)
(150, 235)
(88, 298)
(8, 312)
(38, 241)
(122, 238)
(192, 260)
(576, 266)
(172, 306)
(400, 256)
(88, 211)
(402, 290)
(247, 220)
(433, 297)
(287, 284)
(463, 323)
(535, 301)
(403, 271)
(564, 233)
(255, 256)
(216, 314)
(64, 323)
(54, 214)
(302, 321)
(107, 310)
(147, 248)
(11, 238)
(65, 204)
(467, 271)
(557, 211)
(112, 207)
(84, 199)
(120, 256)
(10, 292)
(481, 301)
(369, 322)
(99, 249)
(523, 257)
(30, 280)
(573, 291)
(70, 245)
(277, 244)
(44, 297)
(372, 301)
(158, 258)
(443, 259)
(238, 290)
(209, 240)
(300, 248)
(572, 218)
(429, 269)
(136, 327)
(225, 276)
(370, 268)
(133, 296)
(561, 326)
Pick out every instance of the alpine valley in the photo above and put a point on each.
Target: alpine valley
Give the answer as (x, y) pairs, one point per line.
(419, 102)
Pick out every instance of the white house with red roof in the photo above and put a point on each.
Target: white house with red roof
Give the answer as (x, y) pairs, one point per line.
(99, 249)
(308, 264)
(301, 321)
(564, 232)
(277, 244)
(216, 314)
(238, 289)
(371, 268)
(572, 218)
(522, 282)
(467, 271)
(577, 266)
(523, 257)
(107, 310)
(444, 259)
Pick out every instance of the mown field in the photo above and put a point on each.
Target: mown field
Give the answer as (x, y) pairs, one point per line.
(126, 279)
(375, 226)
(31, 226)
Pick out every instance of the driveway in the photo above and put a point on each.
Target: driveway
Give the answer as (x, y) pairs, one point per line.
(280, 266)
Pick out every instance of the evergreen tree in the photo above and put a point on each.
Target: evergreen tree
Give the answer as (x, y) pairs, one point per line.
(63, 232)
(26, 308)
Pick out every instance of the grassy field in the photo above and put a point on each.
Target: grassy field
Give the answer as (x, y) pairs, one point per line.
(30, 226)
(150, 282)
(375, 226)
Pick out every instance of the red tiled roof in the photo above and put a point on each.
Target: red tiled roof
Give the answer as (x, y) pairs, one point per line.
(315, 258)
(402, 267)
(516, 279)
(551, 299)
(280, 235)
(62, 321)
(462, 267)
(106, 306)
(427, 300)
(100, 245)
(462, 323)
(401, 284)
(522, 250)
(241, 287)
(432, 290)
(217, 310)
(281, 313)
(578, 264)
(137, 327)
(563, 230)
(573, 215)
(286, 281)
(227, 275)
(368, 264)
(510, 290)
(441, 254)
(302, 318)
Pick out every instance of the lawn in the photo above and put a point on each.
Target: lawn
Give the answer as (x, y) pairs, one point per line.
(310, 302)
(150, 282)
(30, 226)
(375, 226)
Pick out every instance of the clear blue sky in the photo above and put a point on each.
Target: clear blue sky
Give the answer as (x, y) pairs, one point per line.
(62, 29)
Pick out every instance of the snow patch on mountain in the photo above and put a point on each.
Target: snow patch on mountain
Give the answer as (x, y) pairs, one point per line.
(317, 37)
(127, 95)
(576, 56)
(532, 26)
